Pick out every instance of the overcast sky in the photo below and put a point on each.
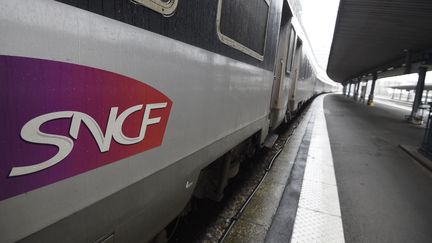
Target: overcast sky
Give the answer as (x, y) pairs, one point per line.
(318, 18)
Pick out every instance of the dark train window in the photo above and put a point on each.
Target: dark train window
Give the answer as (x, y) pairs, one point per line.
(291, 51)
(298, 51)
(304, 72)
(242, 24)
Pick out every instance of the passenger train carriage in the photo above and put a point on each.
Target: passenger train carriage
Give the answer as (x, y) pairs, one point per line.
(115, 112)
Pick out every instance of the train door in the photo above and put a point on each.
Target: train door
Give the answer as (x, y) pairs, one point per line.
(280, 84)
(295, 72)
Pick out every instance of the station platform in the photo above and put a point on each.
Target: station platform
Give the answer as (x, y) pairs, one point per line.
(343, 178)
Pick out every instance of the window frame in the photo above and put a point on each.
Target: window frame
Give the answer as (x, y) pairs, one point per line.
(167, 9)
(291, 51)
(235, 44)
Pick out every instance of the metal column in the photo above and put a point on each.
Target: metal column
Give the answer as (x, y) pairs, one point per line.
(372, 91)
(426, 146)
(349, 90)
(364, 98)
(418, 95)
(356, 92)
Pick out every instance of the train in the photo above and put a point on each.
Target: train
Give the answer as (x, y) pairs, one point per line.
(115, 113)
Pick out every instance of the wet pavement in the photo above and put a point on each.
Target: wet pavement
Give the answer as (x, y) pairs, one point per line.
(385, 195)
(258, 216)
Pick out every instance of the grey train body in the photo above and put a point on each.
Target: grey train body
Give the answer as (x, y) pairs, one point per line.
(222, 95)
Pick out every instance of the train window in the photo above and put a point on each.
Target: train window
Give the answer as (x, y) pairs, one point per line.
(304, 72)
(298, 52)
(291, 51)
(164, 7)
(242, 24)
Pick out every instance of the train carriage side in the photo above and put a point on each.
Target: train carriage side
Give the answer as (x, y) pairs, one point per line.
(282, 78)
(306, 82)
(295, 75)
(139, 98)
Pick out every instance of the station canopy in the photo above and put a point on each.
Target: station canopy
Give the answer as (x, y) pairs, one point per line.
(378, 36)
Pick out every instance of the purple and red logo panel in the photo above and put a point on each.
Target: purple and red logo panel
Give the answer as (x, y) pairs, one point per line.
(60, 119)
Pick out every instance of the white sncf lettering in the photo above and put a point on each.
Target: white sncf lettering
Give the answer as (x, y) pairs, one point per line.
(31, 133)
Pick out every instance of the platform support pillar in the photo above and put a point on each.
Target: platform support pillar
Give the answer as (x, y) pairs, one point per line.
(349, 90)
(414, 117)
(426, 146)
(372, 91)
(365, 90)
(356, 92)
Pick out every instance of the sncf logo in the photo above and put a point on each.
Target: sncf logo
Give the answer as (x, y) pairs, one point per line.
(31, 133)
(66, 119)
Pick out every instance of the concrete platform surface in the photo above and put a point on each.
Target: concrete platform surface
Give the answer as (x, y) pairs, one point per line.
(309, 210)
(385, 196)
(344, 178)
(259, 213)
